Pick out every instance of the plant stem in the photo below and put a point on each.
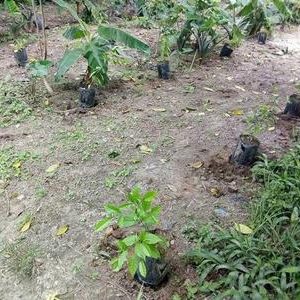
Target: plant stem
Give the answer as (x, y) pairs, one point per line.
(37, 27)
(44, 31)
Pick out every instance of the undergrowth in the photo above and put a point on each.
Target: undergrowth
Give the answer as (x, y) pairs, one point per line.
(263, 263)
(13, 109)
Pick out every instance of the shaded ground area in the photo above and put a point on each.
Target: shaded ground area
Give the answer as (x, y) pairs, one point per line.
(190, 125)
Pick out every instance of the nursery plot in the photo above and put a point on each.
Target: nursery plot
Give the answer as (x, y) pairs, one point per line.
(173, 136)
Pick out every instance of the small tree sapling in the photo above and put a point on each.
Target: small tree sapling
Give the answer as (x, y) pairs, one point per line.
(140, 250)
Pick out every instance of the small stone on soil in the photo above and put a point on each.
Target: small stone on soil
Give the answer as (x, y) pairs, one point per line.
(221, 213)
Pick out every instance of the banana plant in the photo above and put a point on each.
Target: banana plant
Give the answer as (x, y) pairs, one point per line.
(94, 47)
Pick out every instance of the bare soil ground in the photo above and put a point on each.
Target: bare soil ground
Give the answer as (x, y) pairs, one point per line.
(195, 117)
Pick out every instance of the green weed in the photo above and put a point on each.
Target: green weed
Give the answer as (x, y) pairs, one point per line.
(11, 163)
(20, 258)
(40, 192)
(261, 119)
(13, 108)
(116, 178)
(263, 264)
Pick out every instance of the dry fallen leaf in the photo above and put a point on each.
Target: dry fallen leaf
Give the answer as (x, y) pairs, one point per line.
(271, 128)
(17, 165)
(208, 89)
(62, 230)
(53, 168)
(198, 164)
(26, 226)
(216, 192)
(244, 229)
(240, 88)
(236, 112)
(145, 149)
(159, 109)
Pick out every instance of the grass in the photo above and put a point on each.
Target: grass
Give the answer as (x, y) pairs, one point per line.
(11, 163)
(264, 263)
(261, 119)
(13, 108)
(19, 257)
(117, 177)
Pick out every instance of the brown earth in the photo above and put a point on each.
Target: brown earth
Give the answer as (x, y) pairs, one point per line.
(195, 117)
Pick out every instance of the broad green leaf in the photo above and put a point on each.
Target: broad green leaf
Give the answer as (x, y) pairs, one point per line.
(102, 224)
(11, 6)
(127, 221)
(151, 238)
(71, 10)
(130, 240)
(150, 196)
(74, 33)
(295, 215)
(135, 195)
(133, 263)
(111, 208)
(282, 7)
(120, 36)
(291, 269)
(152, 249)
(62, 230)
(39, 68)
(244, 229)
(142, 268)
(142, 251)
(118, 262)
(70, 57)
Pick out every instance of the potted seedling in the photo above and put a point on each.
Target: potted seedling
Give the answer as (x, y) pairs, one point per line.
(141, 249)
(262, 37)
(293, 106)
(20, 53)
(163, 66)
(96, 48)
(226, 50)
(246, 151)
(38, 69)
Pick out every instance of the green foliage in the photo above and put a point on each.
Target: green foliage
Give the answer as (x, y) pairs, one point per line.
(137, 210)
(11, 163)
(96, 48)
(13, 109)
(263, 13)
(39, 68)
(261, 119)
(19, 257)
(11, 6)
(263, 264)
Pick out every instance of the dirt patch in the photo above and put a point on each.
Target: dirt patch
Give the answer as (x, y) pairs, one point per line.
(183, 121)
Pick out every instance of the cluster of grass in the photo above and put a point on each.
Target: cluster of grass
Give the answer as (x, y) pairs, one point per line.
(11, 162)
(13, 109)
(261, 119)
(20, 258)
(264, 263)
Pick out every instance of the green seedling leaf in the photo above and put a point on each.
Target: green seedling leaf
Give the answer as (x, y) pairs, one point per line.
(291, 269)
(244, 229)
(142, 268)
(295, 215)
(74, 32)
(150, 196)
(62, 230)
(117, 263)
(112, 209)
(133, 263)
(130, 240)
(150, 238)
(52, 169)
(102, 224)
(140, 251)
(127, 221)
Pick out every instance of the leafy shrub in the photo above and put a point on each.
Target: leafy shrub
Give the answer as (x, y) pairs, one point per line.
(262, 263)
(137, 210)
